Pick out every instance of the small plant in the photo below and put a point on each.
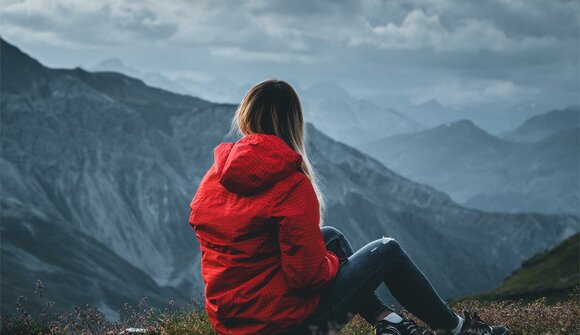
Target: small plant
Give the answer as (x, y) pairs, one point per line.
(187, 320)
(23, 323)
(522, 318)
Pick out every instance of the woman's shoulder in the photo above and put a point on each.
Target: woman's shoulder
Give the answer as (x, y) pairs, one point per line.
(296, 186)
(294, 180)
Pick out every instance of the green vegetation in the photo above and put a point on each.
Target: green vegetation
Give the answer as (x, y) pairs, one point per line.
(552, 274)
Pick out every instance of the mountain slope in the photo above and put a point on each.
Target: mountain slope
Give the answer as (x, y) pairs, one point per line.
(72, 265)
(114, 159)
(545, 125)
(553, 274)
(90, 162)
(544, 177)
(486, 172)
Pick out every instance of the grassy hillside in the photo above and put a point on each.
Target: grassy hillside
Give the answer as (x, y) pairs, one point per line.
(534, 318)
(552, 274)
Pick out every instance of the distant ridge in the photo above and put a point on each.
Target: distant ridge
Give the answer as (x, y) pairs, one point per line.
(487, 172)
(542, 126)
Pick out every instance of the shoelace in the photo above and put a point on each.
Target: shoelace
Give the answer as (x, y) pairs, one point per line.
(412, 327)
(383, 327)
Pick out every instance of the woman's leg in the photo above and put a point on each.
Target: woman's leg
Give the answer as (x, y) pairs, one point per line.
(382, 260)
(337, 243)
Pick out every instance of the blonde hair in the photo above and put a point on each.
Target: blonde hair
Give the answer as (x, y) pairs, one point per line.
(273, 107)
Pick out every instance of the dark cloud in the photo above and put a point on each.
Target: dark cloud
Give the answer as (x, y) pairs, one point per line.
(443, 49)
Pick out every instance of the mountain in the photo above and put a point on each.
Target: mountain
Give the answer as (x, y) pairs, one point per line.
(486, 172)
(545, 178)
(499, 116)
(98, 169)
(432, 113)
(553, 274)
(219, 89)
(154, 79)
(327, 105)
(342, 116)
(545, 125)
(116, 65)
(75, 151)
(496, 116)
(74, 266)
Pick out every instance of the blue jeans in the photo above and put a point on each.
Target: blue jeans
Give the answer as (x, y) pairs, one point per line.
(353, 290)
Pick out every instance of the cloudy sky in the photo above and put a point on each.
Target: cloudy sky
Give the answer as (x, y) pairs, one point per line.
(459, 52)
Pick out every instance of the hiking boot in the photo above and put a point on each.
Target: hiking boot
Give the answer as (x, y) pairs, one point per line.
(474, 325)
(405, 327)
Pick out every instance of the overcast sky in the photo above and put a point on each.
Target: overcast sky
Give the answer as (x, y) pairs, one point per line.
(458, 52)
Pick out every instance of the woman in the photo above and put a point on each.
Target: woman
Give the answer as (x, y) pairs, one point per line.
(268, 264)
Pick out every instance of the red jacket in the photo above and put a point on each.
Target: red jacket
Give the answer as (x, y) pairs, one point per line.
(263, 258)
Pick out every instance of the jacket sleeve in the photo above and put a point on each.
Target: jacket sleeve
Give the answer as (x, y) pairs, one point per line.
(306, 263)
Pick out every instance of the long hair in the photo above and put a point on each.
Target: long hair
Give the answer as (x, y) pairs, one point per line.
(273, 107)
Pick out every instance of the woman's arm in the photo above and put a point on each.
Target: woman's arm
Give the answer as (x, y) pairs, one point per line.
(306, 263)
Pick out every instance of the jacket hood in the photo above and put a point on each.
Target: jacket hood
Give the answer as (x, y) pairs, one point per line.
(254, 163)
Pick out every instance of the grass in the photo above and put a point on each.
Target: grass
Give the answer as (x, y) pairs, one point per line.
(537, 317)
(552, 274)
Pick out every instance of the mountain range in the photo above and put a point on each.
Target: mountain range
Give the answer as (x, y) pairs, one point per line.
(219, 89)
(537, 173)
(496, 117)
(340, 115)
(325, 104)
(375, 115)
(97, 171)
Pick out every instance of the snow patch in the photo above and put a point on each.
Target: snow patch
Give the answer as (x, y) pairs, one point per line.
(385, 239)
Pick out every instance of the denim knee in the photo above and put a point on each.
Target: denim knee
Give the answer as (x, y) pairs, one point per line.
(387, 245)
(336, 242)
(329, 233)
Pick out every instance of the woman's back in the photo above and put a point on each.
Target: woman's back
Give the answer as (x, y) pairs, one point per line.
(265, 264)
(256, 217)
